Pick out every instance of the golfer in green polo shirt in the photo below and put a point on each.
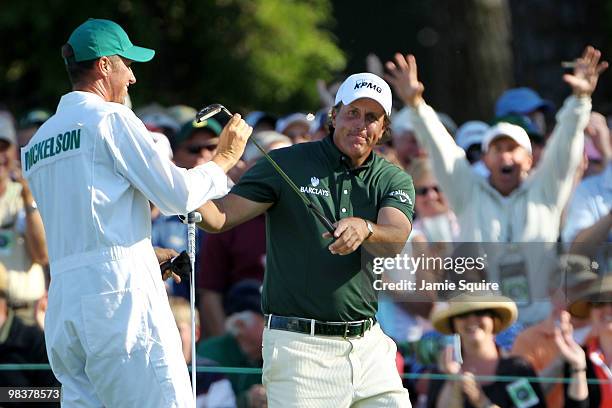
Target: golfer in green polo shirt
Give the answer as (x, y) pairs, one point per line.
(321, 345)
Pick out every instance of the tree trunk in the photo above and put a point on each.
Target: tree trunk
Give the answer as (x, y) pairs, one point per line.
(472, 60)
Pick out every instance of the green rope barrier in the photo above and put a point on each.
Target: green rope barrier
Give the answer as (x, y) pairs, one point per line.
(410, 376)
(500, 378)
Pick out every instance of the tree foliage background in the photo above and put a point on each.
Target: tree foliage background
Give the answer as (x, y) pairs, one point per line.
(263, 54)
(267, 54)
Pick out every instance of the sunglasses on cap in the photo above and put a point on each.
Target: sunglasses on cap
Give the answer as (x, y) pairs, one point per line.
(196, 149)
(425, 190)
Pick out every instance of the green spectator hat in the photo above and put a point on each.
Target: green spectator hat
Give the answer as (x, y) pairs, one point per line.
(191, 127)
(35, 117)
(97, 38)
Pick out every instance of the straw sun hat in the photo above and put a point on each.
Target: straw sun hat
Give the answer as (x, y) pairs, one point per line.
(504, 309)
(598, 292)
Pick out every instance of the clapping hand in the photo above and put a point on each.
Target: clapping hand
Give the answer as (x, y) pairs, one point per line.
(569, 349)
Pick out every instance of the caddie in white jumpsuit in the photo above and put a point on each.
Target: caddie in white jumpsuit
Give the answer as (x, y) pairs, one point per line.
(93, 167)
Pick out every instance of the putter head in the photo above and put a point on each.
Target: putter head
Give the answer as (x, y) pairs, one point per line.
(210, 111)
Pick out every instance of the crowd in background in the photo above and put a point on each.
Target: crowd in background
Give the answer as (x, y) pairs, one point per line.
(536, 330)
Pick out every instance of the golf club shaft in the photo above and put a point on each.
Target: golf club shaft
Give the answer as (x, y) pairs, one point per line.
(211, 110)
(191, 248)
(326, 223)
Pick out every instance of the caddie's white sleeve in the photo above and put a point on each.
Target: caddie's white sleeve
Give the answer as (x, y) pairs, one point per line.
(172, 189)
(554, 175)
(450, 165)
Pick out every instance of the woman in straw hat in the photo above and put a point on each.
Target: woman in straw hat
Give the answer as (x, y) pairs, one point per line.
(476, 319)
(594, 360)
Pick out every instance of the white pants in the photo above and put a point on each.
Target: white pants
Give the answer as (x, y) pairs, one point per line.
(317, 371)
(111, 338)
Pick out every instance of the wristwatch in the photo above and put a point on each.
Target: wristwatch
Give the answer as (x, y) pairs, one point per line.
(30, 208)
(370, 229)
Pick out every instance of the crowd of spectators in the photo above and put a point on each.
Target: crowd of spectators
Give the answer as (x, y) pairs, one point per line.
(533, 182)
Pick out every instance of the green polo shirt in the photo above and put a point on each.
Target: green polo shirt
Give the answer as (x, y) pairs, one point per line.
(302, 278)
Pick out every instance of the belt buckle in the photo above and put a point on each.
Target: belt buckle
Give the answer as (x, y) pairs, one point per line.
(346, 330)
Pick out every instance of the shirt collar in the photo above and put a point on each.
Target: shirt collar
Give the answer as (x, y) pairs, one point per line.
(75, 97)
(340, 160)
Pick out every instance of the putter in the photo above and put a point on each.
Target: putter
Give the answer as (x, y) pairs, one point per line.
(214, 109)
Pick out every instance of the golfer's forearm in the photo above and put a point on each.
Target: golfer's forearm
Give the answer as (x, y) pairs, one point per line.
(387, 240)
(213, 218)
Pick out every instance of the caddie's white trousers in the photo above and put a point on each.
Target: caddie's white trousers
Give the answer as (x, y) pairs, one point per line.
(110, 334)
(317, 371)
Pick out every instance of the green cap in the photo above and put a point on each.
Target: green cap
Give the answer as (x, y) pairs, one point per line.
(97, 38)
(192, 126)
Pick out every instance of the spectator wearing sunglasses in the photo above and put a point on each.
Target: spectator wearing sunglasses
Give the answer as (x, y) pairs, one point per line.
(195, 143)
(435, 221)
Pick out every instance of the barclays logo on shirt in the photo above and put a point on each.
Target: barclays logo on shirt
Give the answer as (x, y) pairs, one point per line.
(312, 189)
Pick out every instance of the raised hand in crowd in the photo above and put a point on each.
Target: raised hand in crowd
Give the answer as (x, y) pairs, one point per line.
(586, 72)
(374, 65)
(473, 391)
(327, 93)
(403, 76)
(34, 233)
(447, 363)
(574, 355)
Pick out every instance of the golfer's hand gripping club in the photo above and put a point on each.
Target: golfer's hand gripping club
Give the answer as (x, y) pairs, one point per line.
(214, 109)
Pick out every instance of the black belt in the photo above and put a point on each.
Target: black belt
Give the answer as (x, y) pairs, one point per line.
(317, 327)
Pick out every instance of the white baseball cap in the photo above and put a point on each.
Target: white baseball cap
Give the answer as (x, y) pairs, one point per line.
(283, 123)
(401, 122)
(365, 85)
(471, 132)
(501, 129)
(7, 129)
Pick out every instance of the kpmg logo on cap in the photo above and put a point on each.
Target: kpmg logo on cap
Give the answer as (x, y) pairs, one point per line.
(367, 84)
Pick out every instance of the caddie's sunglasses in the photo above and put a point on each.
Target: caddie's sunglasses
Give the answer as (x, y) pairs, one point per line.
(424, 190)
